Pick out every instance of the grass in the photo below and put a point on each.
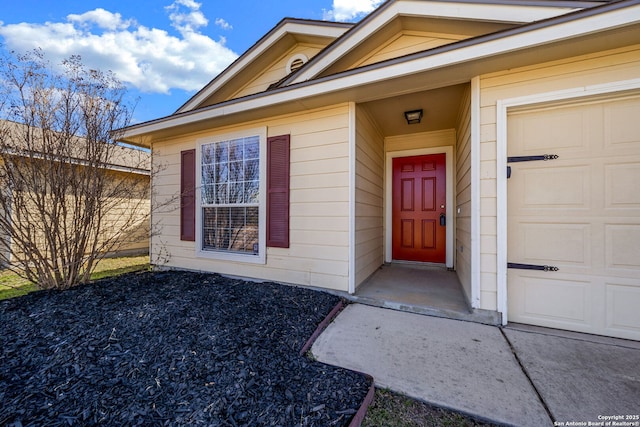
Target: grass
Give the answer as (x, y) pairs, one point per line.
(395, 410)
(110, 267)
(12, 285)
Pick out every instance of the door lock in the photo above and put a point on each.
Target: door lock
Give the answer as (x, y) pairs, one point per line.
(443, 219)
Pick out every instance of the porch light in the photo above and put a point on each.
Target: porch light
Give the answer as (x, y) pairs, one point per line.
(413, 117)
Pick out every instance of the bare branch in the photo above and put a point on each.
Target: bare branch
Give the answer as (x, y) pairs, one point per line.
(71, 194)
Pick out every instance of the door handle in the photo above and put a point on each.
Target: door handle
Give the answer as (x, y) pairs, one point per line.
(443, 219)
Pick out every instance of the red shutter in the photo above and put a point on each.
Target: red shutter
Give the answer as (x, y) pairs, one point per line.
(188, 195)
(278, 191)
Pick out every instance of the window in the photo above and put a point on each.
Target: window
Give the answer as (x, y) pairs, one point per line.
(231, 197)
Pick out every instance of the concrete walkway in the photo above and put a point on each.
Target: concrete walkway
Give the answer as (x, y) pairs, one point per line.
(514, 376)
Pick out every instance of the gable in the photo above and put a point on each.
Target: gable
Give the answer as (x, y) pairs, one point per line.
(407, 35)
(406, 43)
(278, 69)
(262, 65)
(442, 21)
(396, 29)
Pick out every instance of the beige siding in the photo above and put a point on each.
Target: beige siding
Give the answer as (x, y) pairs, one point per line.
(463, 194)
(369, 236)
(129, 217)
(124, 227)
(319, 227)
(439, 138)
(406, 43)
(276, 71)
(601, 68)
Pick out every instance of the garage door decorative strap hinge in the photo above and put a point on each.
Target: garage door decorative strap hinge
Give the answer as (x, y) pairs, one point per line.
(516, 159)
(532, 267)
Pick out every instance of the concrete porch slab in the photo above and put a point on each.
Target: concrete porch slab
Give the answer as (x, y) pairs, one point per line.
(421, 289)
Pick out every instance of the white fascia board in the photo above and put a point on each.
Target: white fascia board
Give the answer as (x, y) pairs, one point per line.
(253, 53)
(574, 28)
(508, 13)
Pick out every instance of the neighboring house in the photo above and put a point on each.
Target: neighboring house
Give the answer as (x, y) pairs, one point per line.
(127, 164)
(307, 170)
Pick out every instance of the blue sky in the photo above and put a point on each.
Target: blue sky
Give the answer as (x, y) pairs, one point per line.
(164, 50)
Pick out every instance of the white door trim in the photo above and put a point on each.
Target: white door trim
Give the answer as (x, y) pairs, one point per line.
(502, 107)
(475, 192)
(448, 151)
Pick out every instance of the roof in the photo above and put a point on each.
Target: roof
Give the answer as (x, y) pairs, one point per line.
(507, 12)
(276, 41)
(123, 158)
(561, 27)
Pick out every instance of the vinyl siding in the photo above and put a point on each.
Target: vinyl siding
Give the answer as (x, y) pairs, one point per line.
(276, 71)
(463, 194)
(125, 222)
(130, 214)
(439, 138)
(319, 212)
(600, 68)
(406, 43)
(369, 230)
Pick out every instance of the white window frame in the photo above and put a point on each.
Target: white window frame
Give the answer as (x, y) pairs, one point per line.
(261, 257)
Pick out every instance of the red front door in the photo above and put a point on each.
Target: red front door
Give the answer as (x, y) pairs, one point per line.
(419, 197)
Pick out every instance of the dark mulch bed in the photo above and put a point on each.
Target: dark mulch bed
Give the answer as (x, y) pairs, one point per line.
(170, 348)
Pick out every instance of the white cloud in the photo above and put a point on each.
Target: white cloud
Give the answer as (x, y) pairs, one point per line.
(350, 10)
(186, 21)
(149, 59)
(223, 24)
(102, 18)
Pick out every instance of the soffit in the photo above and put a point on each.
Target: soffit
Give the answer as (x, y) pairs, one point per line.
(440, 107)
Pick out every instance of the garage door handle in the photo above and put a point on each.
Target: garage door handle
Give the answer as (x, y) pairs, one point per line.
(532, 267)
(517, 159)
(543, 157)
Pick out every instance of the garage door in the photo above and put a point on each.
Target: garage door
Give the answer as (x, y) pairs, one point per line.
(579, 213)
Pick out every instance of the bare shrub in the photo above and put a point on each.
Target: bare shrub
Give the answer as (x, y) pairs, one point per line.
(70, 193)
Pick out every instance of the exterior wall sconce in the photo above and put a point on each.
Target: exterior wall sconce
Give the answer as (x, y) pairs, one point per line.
(413, 117)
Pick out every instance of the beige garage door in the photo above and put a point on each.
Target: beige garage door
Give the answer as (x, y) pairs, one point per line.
(579, 213)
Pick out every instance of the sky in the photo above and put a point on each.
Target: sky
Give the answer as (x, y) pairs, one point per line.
(163, 50)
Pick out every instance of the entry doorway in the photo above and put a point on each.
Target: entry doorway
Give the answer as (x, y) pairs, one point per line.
(419, 208)
(445, 152)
